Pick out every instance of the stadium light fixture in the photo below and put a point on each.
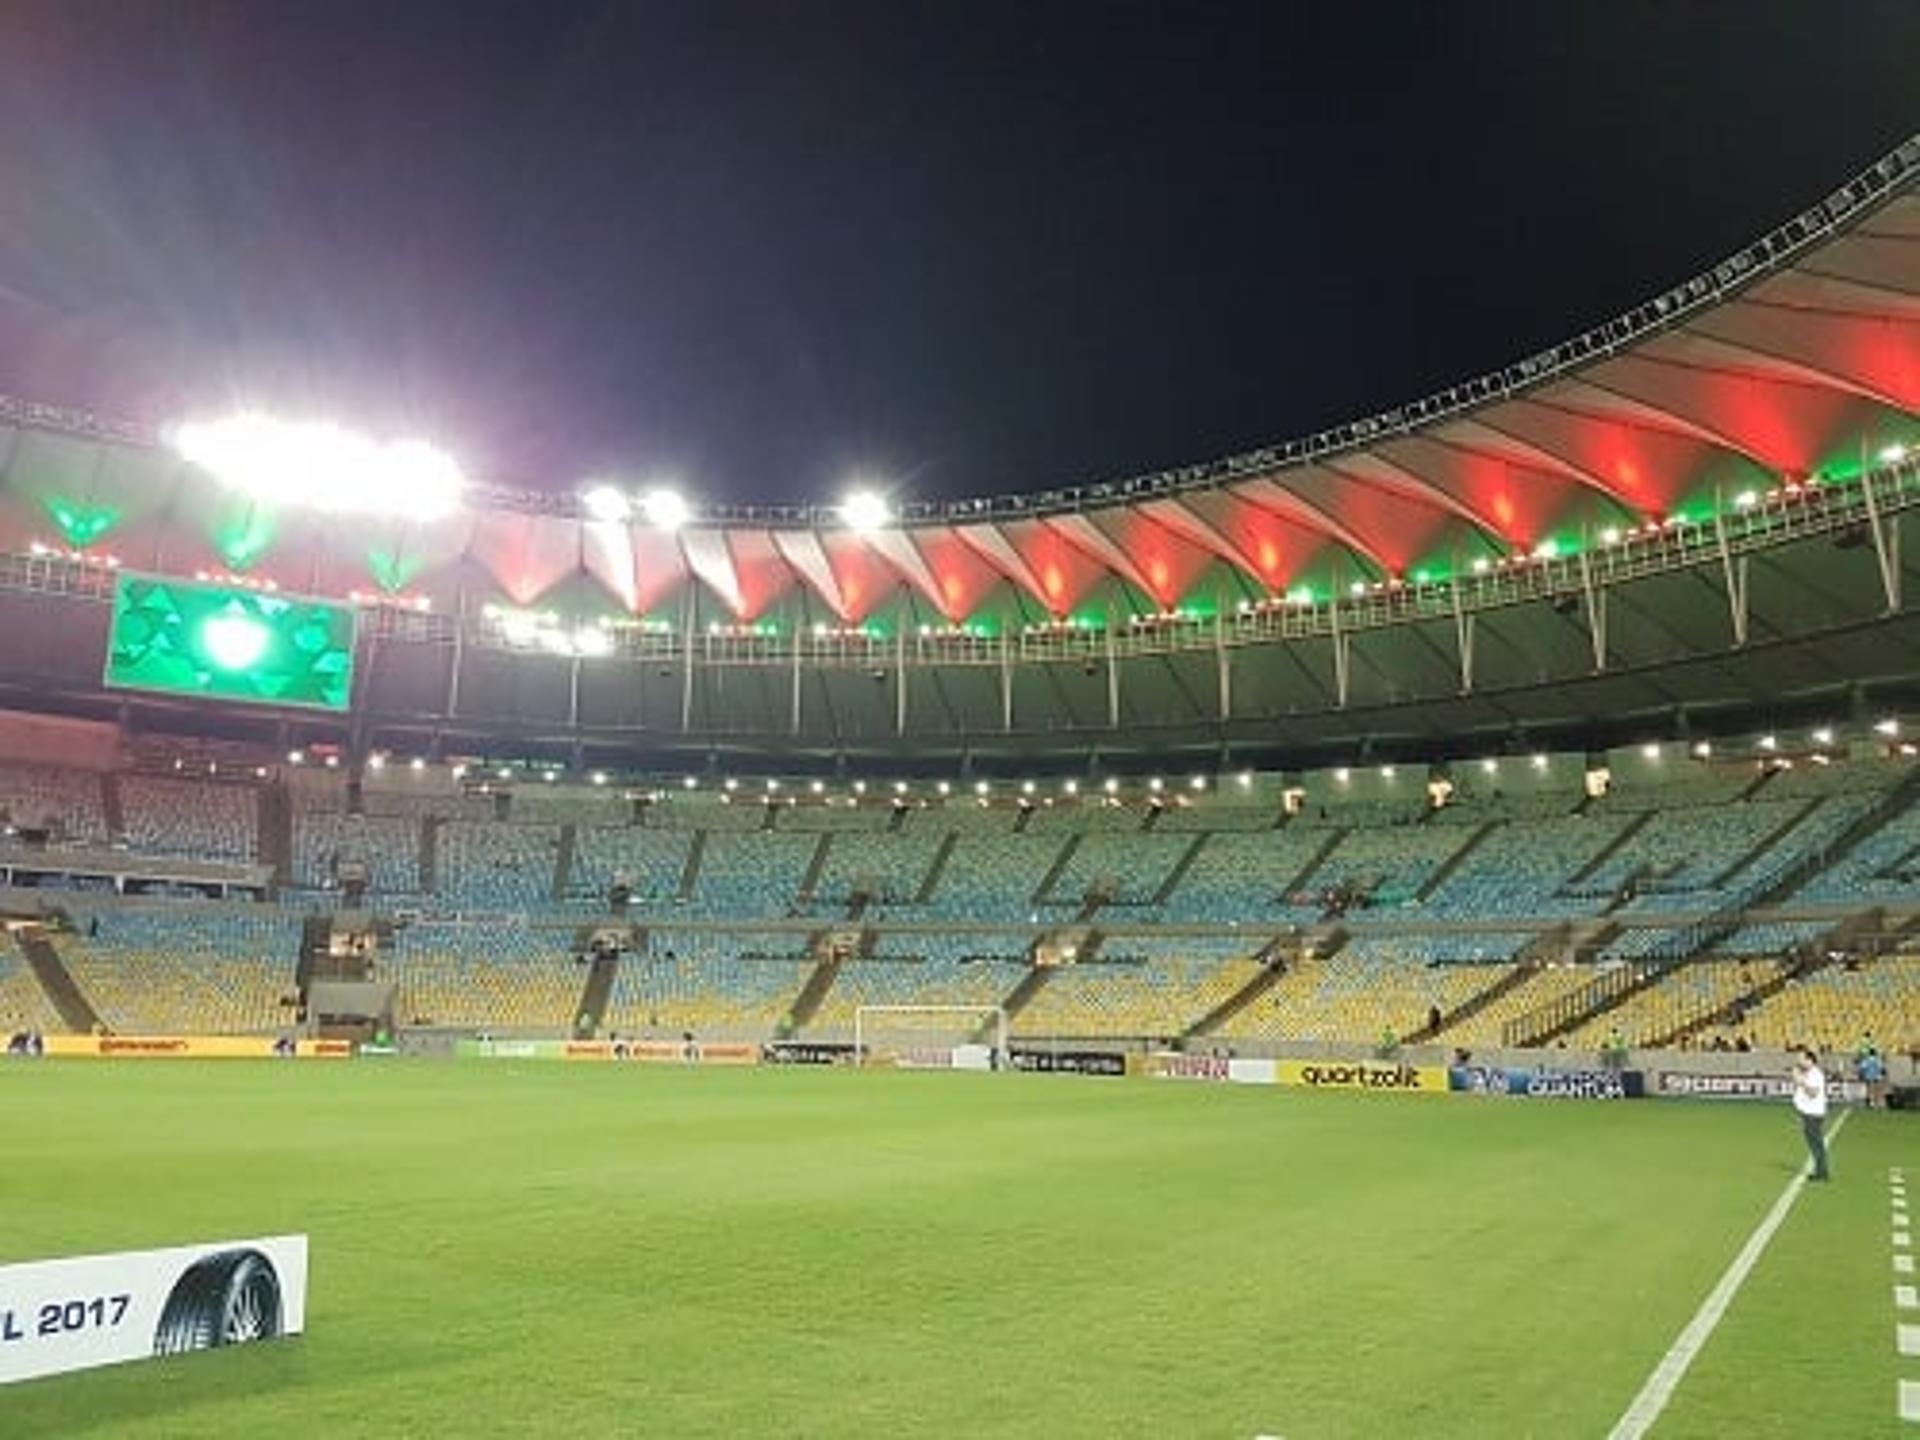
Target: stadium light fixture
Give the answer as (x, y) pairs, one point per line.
(1246, 779)
(1769, 742)
(1156, 784)
(296, 757)
(1746, 500)
(865, 511)
(607, 505)
(1823, 735)
(234, 641)
(1112, 785)
(1650, 751)
(1071, 787)
(859, 787)
(1893, 454)
(333, 762)
(376, 762)
(944, 788)
(665, 509)
(504, 773)
(817, 787)
(731, 784)
(321, 466)
(1540, 762)
(899, 787)
(1198, 782)
(1702, 750)
(1490, 765)
(980, 787)
(1387, 772)
(1888, 727)
(1610, 535)
(692, 782)
(599, 777)
(1343, 775)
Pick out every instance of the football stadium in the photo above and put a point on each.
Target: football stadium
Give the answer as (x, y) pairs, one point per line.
(1311, 943)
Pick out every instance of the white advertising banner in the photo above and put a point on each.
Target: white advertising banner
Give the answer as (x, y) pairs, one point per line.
(88, 1310)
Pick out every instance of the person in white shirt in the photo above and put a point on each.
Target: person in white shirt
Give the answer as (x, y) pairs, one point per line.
(1810, 1099)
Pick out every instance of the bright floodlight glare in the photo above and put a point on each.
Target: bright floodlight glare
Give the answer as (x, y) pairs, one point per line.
(322, 466)
(1888, 726)
(1893, 454)
(665, 509)
(866, 511)
(607, 505)
(234, 642)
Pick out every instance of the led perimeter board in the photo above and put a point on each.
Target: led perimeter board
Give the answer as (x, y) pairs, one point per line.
(225, 643)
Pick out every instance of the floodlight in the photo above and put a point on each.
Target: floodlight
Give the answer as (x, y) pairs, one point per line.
(980, 787)
(417, 763)
(1540, 762)
(376, 762)
(1387, 772)
(1246, 779)
(1610, 535)
(1746, 499)
(1893, 454)
(1198, 782)
(865, 511)
(1888, 727)
(592, 640)
(1071, 787)
(322, 466)
(1343, 775)
(1823, 736)
(665, 509)
(607, 505)
(1156, 784)
(1490, 765)
(1769, 742)
(599, 777)
(1649, 751)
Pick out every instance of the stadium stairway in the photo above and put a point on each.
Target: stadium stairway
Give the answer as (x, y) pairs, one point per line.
(1891, 804)
(429, 854)
(810, 881)
(1273, 964)
(1180, 867)
(828, 958)
(113, 805)
(74, 1009)
(930, 882)
(1304, 876)
(1607, 851)
(563, 863)
(1519, 973)
(273, 825)
(1822, 953)
(1030, 985)
(1044, 891)
(690, 872)
(1454, 861)
(591, 1013)
(1766, 843)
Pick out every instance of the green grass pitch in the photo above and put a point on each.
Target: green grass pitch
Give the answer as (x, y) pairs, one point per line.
(537, 1249)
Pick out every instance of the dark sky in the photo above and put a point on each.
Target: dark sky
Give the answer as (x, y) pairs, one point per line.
(972, 247)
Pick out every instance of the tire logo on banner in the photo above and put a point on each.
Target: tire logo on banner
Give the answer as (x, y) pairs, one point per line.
(62, 1315)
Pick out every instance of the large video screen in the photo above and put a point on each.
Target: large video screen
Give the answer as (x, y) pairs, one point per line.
(225, 643)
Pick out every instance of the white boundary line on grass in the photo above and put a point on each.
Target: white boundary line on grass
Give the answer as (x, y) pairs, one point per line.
(1658, 1390)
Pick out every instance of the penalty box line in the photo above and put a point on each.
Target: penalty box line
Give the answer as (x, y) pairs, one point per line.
(1666, 1376)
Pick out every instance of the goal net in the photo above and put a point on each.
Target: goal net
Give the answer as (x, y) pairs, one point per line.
(931, 1037)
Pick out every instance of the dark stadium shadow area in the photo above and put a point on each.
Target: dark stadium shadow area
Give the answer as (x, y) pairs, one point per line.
(163, 1396)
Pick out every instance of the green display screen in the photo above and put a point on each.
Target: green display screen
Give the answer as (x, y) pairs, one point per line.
(225, 643)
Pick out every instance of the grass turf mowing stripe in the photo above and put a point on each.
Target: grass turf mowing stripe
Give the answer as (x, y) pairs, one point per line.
(1906, 1339)
(1910, 1399)
(1658, 1390)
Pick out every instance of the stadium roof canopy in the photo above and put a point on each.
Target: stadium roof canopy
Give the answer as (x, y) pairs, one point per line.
(1793, 365)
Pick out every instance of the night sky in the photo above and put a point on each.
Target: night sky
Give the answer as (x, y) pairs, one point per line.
(967, 248)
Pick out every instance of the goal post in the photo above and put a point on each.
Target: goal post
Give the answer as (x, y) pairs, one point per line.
(931, 1037)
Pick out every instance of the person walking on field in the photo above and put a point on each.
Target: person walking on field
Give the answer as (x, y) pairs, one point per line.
(1810, 1099)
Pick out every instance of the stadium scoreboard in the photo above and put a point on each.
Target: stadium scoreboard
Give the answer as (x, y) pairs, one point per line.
(226, 642)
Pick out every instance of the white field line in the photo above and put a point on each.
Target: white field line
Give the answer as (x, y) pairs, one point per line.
(1658, 1390)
